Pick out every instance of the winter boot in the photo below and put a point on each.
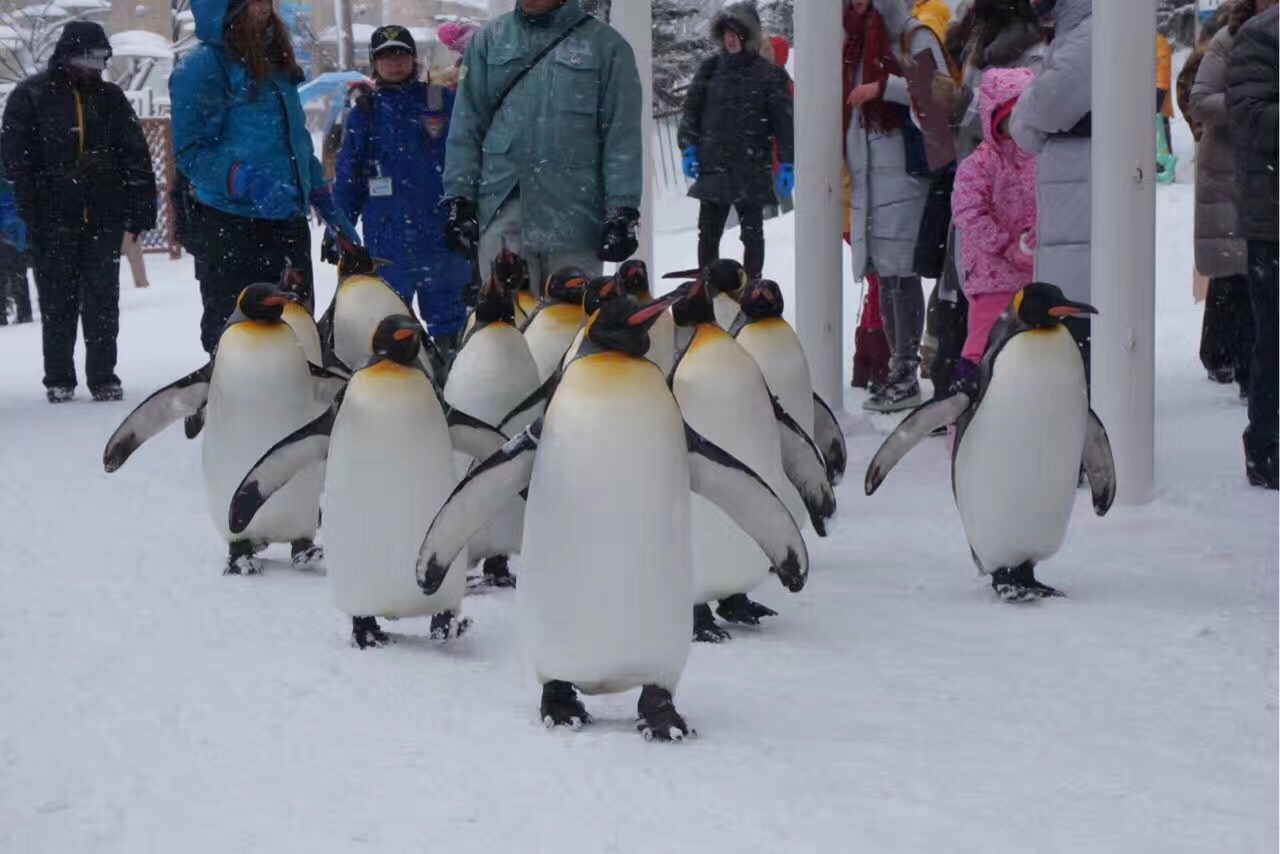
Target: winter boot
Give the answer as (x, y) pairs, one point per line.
(902, 391)
(107, 392)
(60, 393)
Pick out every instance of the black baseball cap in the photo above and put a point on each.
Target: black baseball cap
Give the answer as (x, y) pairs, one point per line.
(392, 37)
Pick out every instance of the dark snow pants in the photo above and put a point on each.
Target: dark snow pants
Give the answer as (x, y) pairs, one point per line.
(1260, 438)
(1226, 337)
(711, 220)
(239, 251)
(14, 286)
(78, 280)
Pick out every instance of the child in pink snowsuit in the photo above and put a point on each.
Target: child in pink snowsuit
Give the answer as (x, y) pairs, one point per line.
(994, 210)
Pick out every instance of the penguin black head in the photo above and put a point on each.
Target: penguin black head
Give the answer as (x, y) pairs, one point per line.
(566, 285)
(762, 299)
(600, 290)
(355, 260)
(397, 339)
(622, 325)
(509, 268)
(722, 276)
(634, 277)
(494, 303)
(696, 305)
(261, 302)
(1041, 305)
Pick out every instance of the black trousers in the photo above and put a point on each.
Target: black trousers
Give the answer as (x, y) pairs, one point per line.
(711, 220)
(78, 279)
(1226, 337)
(13, 284)
(240, 251)
(1260, 438)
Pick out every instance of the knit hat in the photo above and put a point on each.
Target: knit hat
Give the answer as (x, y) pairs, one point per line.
(392, 37)
(456, 36)
(84, 44)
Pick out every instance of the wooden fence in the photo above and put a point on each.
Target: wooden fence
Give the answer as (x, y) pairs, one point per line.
(160, 142)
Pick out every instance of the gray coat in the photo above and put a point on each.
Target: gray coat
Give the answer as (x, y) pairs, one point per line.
(1051, 121)
(886, 204)
(1220, 250)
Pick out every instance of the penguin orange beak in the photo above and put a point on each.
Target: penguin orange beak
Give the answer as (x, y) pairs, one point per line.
(1072, 309)
(683, 274)
(649, 313)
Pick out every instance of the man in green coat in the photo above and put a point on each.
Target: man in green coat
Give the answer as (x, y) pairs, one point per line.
(555, 170)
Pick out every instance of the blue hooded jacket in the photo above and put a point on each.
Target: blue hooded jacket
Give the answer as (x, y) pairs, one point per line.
(397, 132)
(220, 119)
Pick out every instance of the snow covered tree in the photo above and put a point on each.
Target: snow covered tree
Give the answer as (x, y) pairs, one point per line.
(29, 35)
(776, 18)
(679, 45)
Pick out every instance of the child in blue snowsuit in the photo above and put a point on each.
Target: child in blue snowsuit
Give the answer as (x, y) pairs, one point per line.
(389, 174)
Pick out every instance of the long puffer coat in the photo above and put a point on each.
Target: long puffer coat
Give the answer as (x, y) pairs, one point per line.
(1252, 104)
(737, 106)
(1052, 122)
(1220, 250)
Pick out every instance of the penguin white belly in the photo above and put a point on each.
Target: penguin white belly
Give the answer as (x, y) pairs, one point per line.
(723, 396)
(493, 374)
(304, 327)
(604, 598)
(662, 343)
(260, 393)
(390, 470)
(776, 349)
(578, 338)
(550, 334)
(362, 303)
(726, 310)
(1018, 462)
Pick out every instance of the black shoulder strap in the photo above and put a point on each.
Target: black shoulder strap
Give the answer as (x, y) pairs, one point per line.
(531, 64)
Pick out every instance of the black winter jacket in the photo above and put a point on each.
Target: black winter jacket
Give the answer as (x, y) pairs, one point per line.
(77, 157)
(736, 107)
(1252, 103)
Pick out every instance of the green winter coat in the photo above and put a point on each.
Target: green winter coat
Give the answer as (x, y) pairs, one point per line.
(567, 137)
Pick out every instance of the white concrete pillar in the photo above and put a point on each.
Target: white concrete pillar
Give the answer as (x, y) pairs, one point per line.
(819, 297)
(634, 20)
(1123, 238)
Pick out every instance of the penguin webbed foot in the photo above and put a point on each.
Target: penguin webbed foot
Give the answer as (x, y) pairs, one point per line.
(305, 554)
(366, 633)
(445, 626)
(705, 629)
(739, 609)
(658, 719)
(561, 706)
(1019, 584)
(241, 560)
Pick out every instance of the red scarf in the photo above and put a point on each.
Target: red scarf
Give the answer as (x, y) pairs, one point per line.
(866, 43)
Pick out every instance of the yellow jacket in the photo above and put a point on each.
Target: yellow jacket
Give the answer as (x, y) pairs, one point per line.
(935, 15)
(1164, 73)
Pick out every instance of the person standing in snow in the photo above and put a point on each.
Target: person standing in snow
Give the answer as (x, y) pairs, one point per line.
(889, 186)
(389, 175)
(82, 178)
(738, 105)
(1222, 254)
(553, 167)
(1052, 121)
(994, 210)
(13, 259)
(1253, 101)
(240, 138)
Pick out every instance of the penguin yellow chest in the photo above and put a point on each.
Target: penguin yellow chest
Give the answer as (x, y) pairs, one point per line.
(550, 334)
(605, 593)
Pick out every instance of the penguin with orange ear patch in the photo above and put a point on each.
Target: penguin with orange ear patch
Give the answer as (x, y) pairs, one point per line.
(633, 276)
(551, 328)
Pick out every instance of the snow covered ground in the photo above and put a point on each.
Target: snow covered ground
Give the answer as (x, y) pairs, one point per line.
(147, 703)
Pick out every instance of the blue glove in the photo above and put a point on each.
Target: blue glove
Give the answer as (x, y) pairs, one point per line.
(689, 161)
(331, 215)
(786, 180)
(266, 194)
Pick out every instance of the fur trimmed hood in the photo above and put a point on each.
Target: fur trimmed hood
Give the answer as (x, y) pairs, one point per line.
(745, 20)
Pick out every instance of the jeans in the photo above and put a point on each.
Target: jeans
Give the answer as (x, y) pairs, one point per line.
(78, 279)
(1260, 438)
(902, 308)
(711, 220)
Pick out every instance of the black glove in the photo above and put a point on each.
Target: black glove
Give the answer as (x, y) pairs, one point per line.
(329, 248)
(619, 241)
(461, 225)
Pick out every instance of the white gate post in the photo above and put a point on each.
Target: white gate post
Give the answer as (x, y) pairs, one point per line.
(634, 20)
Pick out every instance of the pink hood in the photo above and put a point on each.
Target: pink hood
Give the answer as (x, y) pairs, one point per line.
(999, 87)
(456, 36)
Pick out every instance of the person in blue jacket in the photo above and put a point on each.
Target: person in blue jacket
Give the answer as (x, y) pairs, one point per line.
(14, 286)
(240, 138)
(389, 174)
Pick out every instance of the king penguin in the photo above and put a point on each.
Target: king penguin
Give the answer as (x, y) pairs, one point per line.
(723, 396)
(386, 446)
(633, 276)
(493, 373)
(512, 272)
(1024, 429)
(605, 600)
(551, 327)
(598, 291)
(763, 332)
(725, 278)
(258, 388)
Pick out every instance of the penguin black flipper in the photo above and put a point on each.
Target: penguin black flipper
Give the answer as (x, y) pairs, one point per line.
(1099, 465)
(308, 444)
(324, 328)
(480, 495)
(540, 397)
(180, 399)
(830, 439)
(473, 437)
(724, 480)
(919, 424)
(806, 468)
